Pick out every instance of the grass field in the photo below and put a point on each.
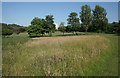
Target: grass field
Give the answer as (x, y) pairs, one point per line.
(0, 55)
(83, 55)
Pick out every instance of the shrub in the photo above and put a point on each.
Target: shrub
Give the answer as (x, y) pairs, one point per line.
(7, 32)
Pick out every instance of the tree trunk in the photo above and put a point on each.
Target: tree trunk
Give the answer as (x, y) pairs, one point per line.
(86, 28)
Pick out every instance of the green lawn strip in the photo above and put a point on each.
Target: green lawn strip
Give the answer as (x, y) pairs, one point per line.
(107, 63)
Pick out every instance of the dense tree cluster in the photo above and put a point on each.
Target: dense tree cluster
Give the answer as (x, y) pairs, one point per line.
(113, 28)
(91, 21)
(9, 29)
(40, 27)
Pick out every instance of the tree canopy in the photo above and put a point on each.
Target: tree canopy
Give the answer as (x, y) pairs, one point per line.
(86, 17)
(9, 29)
(41, 26)
(100, 20)
(62, 27)
(73, 22)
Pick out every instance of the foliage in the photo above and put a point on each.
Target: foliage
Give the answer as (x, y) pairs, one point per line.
(36, 21)
(86, 17)
(119, 28)
(100, 21)
(17, 28)
(40, 26)
(62, 27)
(9, 29)
(6, 30)
(35, 29)
(113, 28)
(68, 28)
(92, 21)
(50, 24)
(73, 22)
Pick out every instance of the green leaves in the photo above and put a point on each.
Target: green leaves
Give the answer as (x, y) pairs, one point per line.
(14, 28)
(40, 26)
(36, 21)
(100, 20)
(6, 32)
(50, 23)
(86, 16)
(34, 30)
(73, 21)
(62, 27)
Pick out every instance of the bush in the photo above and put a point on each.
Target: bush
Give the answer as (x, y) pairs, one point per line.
(7, 32)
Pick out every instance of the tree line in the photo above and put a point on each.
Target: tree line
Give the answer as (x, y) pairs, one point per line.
(88, 20)
(9, 29)
(91, 21)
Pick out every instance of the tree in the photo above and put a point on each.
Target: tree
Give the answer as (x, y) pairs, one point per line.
(68, 28)
(113, 28)
(62, 27)
(50, 26)
(119, 28)
(17, 28)
(100, 20)
(44, 26)
(116, 26)
(85, 16)
(36, 21)
(36, 28)
(41, 26)
(73, 21)
(0, 29)
(6, 30)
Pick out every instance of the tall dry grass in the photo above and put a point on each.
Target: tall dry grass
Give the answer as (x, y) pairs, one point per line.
(53, 56)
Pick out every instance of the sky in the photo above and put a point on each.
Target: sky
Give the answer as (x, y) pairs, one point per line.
(22, 13)
(59, 0)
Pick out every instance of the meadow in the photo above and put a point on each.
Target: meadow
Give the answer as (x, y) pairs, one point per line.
(82, 55)
(0, 56)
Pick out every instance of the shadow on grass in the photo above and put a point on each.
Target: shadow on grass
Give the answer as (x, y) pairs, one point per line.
(39, 36)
